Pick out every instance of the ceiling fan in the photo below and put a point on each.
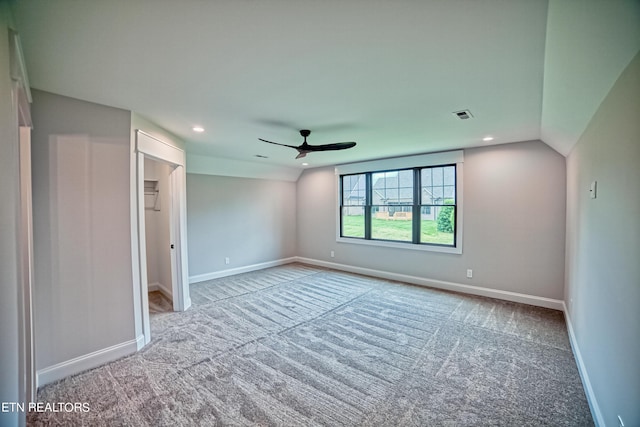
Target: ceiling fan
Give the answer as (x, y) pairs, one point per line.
(306, 148)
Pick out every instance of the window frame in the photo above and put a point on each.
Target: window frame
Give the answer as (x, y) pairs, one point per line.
(341, 205)
(420, 203)
(416, 164)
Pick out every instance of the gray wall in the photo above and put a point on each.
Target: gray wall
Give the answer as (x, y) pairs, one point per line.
(248, 220)
(9, 194)
(141, 123)
(603, 249)
(514, 210)
(83, 299)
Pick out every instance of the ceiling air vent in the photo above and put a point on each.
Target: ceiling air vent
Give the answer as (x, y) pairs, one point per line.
(463, 114)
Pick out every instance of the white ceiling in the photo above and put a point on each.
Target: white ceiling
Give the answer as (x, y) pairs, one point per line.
(387, 74)
(589, 44)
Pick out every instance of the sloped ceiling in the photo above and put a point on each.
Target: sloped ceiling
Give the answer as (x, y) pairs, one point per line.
(589, 44)
(385, 74)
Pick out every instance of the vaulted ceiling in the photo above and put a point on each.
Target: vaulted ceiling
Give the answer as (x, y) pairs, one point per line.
(387, 74)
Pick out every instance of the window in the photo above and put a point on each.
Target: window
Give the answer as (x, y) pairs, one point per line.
(392, 205)
(438, 205)
(416, 206)
(354, 198)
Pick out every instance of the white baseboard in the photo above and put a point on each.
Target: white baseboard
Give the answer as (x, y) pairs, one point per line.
(582, 369)
(157, 286)
(85, 362)
(238, 270)
(440, 284)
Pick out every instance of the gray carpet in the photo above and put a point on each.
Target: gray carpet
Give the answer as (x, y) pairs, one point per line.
(304, 346)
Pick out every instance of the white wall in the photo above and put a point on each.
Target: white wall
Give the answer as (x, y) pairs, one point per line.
(157, 228)
(603, 250)
(207, 165)
(514, 208)
(9, 194)
(83, 279)
(250, 221)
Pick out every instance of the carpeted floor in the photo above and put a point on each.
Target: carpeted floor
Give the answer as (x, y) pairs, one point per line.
(303, 346)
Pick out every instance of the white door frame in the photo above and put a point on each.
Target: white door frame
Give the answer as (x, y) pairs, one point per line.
(178, 233)
(154, 148)
(27, 345)
(21, 98)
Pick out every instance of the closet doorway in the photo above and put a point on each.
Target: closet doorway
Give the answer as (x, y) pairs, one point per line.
(157, 218)
(161, 158)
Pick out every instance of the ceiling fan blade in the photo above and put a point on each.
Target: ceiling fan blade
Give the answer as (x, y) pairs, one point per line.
(334, 146)
(277, 143)
(306, 148)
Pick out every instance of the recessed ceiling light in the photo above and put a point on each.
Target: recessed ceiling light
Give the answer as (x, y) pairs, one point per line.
(305, 164)
(198, 129)
(487, 138)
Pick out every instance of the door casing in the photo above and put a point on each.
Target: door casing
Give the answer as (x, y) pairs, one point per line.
(149, 146)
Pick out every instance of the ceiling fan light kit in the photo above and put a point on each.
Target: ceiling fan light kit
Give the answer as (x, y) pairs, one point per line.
(306, 148)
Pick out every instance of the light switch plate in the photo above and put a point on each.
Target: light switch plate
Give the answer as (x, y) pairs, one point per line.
(593, 189)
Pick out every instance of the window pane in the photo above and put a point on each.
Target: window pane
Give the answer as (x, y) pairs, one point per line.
(392, 187)
(379, 182)
(438, 195)
(392, 222)
(392, 195)
(449, 194)
(352, 221)
(354, 189)
(437, 225)
(406, 193)
(426, 177)
(449, 175)
(438, 185)
(437, 176)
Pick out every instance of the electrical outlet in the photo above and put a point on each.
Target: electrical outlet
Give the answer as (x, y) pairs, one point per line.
(469, 273)
(333, 254)
(226, 260)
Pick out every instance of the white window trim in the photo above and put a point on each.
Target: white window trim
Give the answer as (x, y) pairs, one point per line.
(424, 160)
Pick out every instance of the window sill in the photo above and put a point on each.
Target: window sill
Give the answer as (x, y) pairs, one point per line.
(399, 245)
